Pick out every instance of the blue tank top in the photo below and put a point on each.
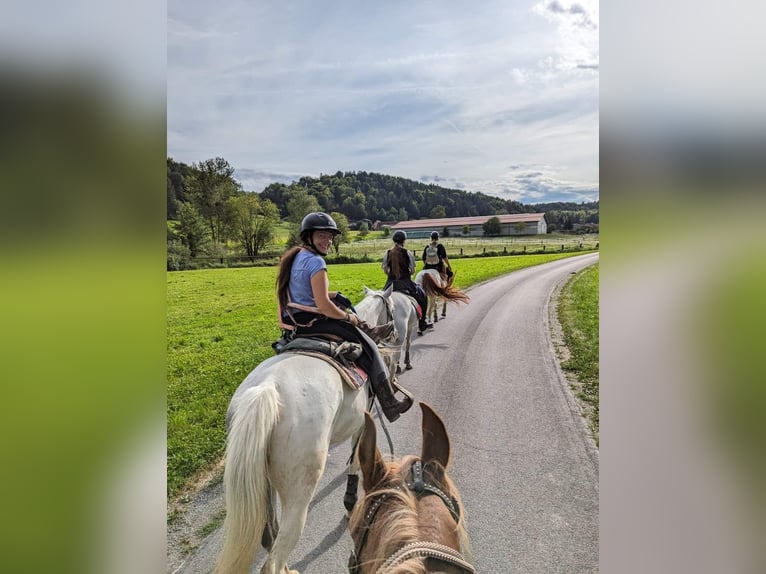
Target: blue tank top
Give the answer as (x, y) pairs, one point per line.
(305, 265)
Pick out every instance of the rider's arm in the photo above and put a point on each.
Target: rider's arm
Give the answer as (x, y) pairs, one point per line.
(384, 266)
(319, 288)
(411, 260)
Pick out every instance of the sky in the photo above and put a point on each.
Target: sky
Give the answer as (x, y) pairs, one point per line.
(499, 97)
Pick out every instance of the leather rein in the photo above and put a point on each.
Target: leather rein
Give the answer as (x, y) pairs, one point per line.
(415, 549)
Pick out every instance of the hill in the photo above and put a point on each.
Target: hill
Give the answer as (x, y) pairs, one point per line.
(362, 195)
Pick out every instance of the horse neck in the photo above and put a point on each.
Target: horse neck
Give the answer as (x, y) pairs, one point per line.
(373, 309)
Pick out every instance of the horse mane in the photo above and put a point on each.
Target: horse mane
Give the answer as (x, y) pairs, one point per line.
(397, 523)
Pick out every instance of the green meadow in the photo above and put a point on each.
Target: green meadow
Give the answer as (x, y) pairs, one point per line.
(220, 325)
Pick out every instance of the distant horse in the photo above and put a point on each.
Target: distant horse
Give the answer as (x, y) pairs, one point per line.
(410, 519)
(438, 286)
(382, 306)
(281, 422)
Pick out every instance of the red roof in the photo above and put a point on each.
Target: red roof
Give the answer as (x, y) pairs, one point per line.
(473, 220)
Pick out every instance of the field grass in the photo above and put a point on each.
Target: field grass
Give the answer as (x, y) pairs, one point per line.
(578, 315)
(220, 325)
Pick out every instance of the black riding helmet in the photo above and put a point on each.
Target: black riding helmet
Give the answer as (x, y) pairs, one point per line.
(434, 236)
(399, 236)
(317, 221)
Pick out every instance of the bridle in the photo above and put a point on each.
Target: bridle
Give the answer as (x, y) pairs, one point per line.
(415, 549)
(388, 306)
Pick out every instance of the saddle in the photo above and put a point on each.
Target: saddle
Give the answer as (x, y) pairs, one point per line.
(341, 355)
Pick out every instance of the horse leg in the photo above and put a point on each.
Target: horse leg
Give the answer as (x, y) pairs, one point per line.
(352, 475)
(271, 529)
(433, 308)
(444, 308)
(295, 494)
(407, 342)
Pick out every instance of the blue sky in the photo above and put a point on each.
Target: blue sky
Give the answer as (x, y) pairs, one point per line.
(498, 97)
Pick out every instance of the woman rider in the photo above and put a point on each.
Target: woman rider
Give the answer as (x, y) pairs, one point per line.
(305, 302)
(399, 265)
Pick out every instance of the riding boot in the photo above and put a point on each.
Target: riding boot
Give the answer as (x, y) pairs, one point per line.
(391, 406)
(423, 325)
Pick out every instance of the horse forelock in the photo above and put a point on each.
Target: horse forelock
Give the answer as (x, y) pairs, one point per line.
(398, 522)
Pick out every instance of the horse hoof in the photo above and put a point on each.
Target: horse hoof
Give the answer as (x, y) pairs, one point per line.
(408, 367)
(398, 369)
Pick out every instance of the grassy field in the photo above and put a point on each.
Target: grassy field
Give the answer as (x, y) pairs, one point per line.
(578, 315)
(220, 325)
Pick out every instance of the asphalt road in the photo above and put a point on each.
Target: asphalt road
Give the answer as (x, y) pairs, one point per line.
(521, 457)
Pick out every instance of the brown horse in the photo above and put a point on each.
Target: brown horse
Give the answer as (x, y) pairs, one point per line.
(410, 520)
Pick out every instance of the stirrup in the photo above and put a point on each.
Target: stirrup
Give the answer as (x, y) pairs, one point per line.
(396, 387)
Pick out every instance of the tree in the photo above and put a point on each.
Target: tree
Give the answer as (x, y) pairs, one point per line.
(344, 236)
(520, 227)
(438, 212)
(210, 187)
(253, 221)
(298, 207)
(492, 226)
(466, 230)
(364, 229)
(191, 229)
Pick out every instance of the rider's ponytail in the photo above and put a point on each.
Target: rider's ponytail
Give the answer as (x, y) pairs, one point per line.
(283, 277)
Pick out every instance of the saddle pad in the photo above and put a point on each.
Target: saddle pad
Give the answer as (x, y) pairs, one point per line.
(354, 378)
(415, 303)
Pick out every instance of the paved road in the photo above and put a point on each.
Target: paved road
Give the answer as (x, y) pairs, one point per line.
(526, 468)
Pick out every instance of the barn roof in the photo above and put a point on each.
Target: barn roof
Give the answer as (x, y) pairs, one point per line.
(473, 220)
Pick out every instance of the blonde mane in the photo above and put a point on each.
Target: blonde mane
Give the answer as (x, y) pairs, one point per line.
(397, 522)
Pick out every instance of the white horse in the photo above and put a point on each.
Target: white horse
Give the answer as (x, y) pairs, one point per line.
(282, 420)
(382, 306)
(438, 286)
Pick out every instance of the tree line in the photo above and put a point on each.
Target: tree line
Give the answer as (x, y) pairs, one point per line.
(208, 208)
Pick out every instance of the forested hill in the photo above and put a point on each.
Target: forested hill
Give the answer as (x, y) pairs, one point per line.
(362, 195)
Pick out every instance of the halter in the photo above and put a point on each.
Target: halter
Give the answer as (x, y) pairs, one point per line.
(415, 549)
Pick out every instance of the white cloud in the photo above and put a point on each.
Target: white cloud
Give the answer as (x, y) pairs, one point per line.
(420, 89)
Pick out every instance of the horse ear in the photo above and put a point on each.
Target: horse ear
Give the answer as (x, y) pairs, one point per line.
(366, 290)
(435, 440)
(370, 461)
(388, 291)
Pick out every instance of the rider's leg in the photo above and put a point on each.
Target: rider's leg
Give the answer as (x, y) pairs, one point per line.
(420, 297)
(372, 362)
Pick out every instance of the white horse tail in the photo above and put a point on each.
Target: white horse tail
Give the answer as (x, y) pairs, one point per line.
(246, 481)
(432, 287)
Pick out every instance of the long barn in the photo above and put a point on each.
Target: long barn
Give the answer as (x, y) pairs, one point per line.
(514, 224)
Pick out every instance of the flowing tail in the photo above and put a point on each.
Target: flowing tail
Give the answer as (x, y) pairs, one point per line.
(246, 482)
(450, 293)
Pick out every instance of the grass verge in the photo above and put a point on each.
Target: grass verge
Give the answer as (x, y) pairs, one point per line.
(578, 315)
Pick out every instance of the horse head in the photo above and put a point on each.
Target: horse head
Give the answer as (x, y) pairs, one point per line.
(406, 502)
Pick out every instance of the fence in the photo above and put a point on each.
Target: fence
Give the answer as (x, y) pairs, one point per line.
(373, 249)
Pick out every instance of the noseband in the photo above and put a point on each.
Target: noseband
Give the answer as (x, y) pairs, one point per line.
(415, 549)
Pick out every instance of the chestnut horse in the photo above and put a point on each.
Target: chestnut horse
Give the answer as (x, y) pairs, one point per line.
(411, 517)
